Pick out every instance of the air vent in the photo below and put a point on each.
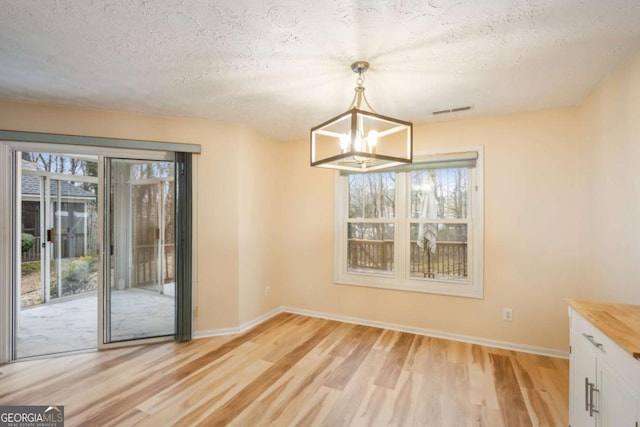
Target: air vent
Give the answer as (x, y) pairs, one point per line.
(453, 110)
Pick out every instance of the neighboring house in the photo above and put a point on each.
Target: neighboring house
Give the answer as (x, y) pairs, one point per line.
(78, 205)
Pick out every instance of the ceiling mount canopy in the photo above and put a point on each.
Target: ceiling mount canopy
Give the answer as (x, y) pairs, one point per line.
(359, 139)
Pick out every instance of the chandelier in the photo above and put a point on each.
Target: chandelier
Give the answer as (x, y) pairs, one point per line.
(361, 140)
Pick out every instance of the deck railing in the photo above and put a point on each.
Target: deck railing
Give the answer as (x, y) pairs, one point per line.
(145, 257)
(448, 261)
(370, 255)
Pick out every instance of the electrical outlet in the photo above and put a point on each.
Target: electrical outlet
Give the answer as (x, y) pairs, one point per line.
(267, 291)
(507, 314)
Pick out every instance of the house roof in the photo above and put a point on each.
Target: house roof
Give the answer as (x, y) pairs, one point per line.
(31, 186)
(282, 66)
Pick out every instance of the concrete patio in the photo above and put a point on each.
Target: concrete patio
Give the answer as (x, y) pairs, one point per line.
(71, 324)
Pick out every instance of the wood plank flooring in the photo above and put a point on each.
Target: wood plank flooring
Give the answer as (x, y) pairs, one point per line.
(298, 371)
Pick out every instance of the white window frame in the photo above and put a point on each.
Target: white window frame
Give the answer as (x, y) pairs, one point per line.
(400, 279)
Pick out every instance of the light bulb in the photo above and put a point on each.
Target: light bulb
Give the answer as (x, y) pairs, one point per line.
(344, 142)
(372, 139)
(357, 145)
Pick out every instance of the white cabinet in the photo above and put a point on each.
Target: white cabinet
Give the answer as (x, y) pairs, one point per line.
(583, 375)
(604, 379)
(617, 401)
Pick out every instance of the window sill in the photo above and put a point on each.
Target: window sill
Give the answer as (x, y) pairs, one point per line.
(434, 287)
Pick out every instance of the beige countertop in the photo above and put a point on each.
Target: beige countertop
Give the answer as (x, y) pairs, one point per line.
(619, 322)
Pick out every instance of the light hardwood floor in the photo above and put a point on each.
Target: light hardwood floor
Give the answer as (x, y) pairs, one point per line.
(297, 370)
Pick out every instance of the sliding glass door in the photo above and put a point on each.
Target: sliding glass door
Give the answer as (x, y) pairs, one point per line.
(140, 290)
(58, 256)
(99, 247)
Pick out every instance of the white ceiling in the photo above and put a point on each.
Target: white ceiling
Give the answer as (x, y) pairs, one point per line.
(282, 66)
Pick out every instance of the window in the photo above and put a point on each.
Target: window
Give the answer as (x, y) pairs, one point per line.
(416, 227)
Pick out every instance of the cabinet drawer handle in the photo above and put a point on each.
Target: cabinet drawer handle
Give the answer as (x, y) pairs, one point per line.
(593, 341)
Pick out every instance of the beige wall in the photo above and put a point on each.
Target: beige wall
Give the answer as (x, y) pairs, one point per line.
(562, 215)
(610, 150)
(260, 175)
(530, 241)
(562, 220)
(226, 265)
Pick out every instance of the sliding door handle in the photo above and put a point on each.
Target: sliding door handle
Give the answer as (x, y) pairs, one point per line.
(51, 235)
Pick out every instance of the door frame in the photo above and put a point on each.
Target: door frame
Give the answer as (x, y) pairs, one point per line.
(11, 142)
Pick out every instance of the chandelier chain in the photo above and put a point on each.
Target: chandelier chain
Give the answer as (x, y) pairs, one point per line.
(359, 95)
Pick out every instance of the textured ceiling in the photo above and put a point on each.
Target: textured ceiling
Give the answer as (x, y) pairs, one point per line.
(282, 66)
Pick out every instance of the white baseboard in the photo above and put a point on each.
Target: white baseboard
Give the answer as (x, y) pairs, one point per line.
(402, 328)
(429, 333)
(238, 329)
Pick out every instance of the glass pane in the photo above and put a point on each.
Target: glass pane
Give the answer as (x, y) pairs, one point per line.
(439, 251)
(372, 195)
(59, 255)
(439, 193)
(76, 165)
(146, 170)
(74, 265)
(370, 248)
(141, 292)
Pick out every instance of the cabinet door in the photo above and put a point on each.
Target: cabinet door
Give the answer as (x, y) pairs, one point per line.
(583, 371)
(615, 400)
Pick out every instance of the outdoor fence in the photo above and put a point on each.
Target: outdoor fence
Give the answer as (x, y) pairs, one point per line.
(72, 245)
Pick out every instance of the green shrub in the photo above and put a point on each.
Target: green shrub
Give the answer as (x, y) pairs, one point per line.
(53, 289)
(75, 275)
(91, 260)
(27, 242)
